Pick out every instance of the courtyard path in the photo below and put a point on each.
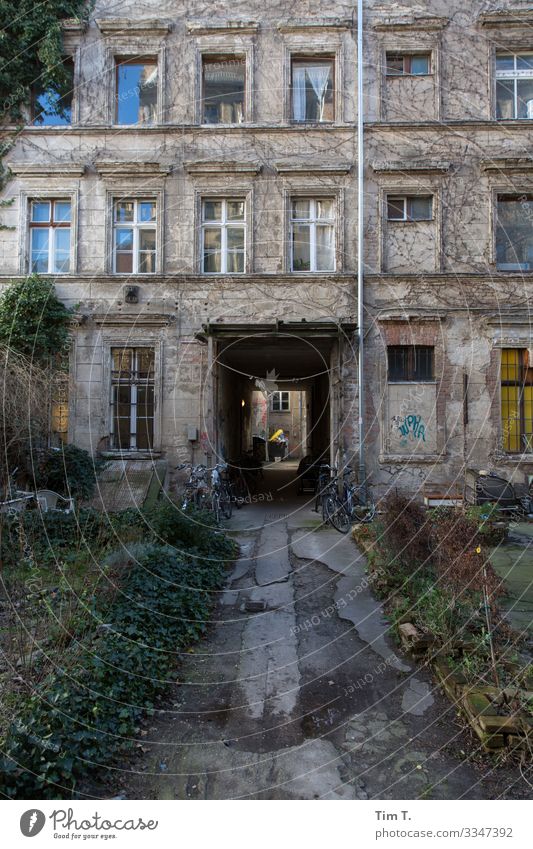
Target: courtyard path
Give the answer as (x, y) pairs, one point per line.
(298, 692)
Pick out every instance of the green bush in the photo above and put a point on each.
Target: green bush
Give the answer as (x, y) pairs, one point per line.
(33, 321)
(80, 718)
(69, 470)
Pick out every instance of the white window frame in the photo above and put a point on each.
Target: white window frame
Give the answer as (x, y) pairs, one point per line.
(282, 409)
(406, 198)
(33, 226)
(136, 226)
(133, 401)
(409, 54)
(224, 225)
(513, 75)
(313, 221)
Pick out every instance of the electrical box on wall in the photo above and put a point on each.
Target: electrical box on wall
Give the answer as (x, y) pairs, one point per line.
(192, 433)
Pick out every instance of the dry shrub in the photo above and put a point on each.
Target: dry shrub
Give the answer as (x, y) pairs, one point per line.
(24, 410)
(406, 533)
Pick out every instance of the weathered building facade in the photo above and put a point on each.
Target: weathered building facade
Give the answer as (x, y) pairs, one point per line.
(200, 210)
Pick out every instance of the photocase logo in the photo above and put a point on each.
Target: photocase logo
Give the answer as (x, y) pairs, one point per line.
(32, 822)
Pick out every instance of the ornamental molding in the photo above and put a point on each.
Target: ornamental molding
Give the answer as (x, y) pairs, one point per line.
(404, 23)
(411, 166)
(214, 27)
(289, 167)
(51, 169)
(125, 26)
(506, 17)
(131, 169)
(131, 319)
(508, 164)
(314, 25)
(220, 166)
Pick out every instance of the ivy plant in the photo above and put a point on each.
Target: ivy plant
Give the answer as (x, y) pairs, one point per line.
(33, 321)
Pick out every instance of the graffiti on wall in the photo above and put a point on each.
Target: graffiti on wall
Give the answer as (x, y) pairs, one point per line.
(410, 428)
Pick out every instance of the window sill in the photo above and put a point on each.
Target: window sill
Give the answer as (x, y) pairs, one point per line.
(520, 458)
(132, 454)
(411, 458)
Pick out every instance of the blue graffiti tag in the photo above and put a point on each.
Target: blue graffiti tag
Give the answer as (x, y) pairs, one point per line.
(413, 426)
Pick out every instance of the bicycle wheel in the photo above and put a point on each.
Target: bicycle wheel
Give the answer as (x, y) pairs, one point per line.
(363, 513)
(337, 515)
(226, 504)
(215, 506)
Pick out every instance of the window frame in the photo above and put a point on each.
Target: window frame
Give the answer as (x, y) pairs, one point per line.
(126, 346)
(407, 200)
(311, 57)
(136, 226)
(524, 436)
(513, 76)
(312, 221)
(511, 195)
(51, 226)
(207, 57)
(224, 225)
(407, 57)
(244, 48)
(412, 352)
(282, 409)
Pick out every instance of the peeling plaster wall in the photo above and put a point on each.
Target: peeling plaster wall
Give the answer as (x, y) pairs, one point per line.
(432, 135)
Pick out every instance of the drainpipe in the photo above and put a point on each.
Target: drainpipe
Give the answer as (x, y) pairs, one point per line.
(360, 250)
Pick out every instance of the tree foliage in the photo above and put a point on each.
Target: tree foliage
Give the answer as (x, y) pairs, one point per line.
(33, 321)
(31, 49)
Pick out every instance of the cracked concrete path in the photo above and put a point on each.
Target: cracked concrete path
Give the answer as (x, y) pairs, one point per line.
(298, 691)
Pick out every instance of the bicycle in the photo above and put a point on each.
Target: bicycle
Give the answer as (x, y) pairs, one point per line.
(221, 496)
(341, 512)
(196, 488)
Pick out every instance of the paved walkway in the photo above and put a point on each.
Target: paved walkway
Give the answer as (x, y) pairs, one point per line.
(298, 692)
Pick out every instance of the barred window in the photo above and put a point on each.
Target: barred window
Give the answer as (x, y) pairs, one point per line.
(410, 363)
(516, 400)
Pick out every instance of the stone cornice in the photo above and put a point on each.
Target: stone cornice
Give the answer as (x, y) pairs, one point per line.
(44, 169)
(321, 167)
(507, 17)
(131, 169)
(314, 24)
(508, 165)
(137, 319)
(412, 315)
(214, 27)
(73, 26)
(221, 166)
(125, 26)
(411, 166)
(410, 22)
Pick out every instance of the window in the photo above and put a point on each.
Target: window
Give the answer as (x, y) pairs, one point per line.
(312, 89)
(134, 239)
(408, 64)
(223, 236)
(514, 85)
(514, 233)
(50, 236)
(223, 81)
(136, 90)
(51, 108)
(409, 208)
(410, 363)
(517, 400)
(132, 398)
(280, 402)
(313, 234)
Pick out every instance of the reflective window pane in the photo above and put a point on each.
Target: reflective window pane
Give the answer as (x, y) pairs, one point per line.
(235, 262)
(301, 248)
(394, 65)
(212, 262)
(505, 62)
(325, 209)
(40, 211)
(395, 209)
(147, 263)
(124, 239)
(312, 90)
(147, 210)
(505, 90)
(212, 210)
(524, 62)
(223, 90)
(124, 263)
(147, 240)
(420, 64)
(235, 210)
(301, 208)
(325, 248)
(235, 238)
(124, 210)
(419, 209)
(61, 211)
(514, 234)
(50, 108)
(212, 238)
(136, 95)
(524, 98)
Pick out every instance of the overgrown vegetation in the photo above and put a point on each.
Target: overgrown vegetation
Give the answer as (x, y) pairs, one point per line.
(434, 570)
(33, 321)
(104, 604)
(69, 470)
